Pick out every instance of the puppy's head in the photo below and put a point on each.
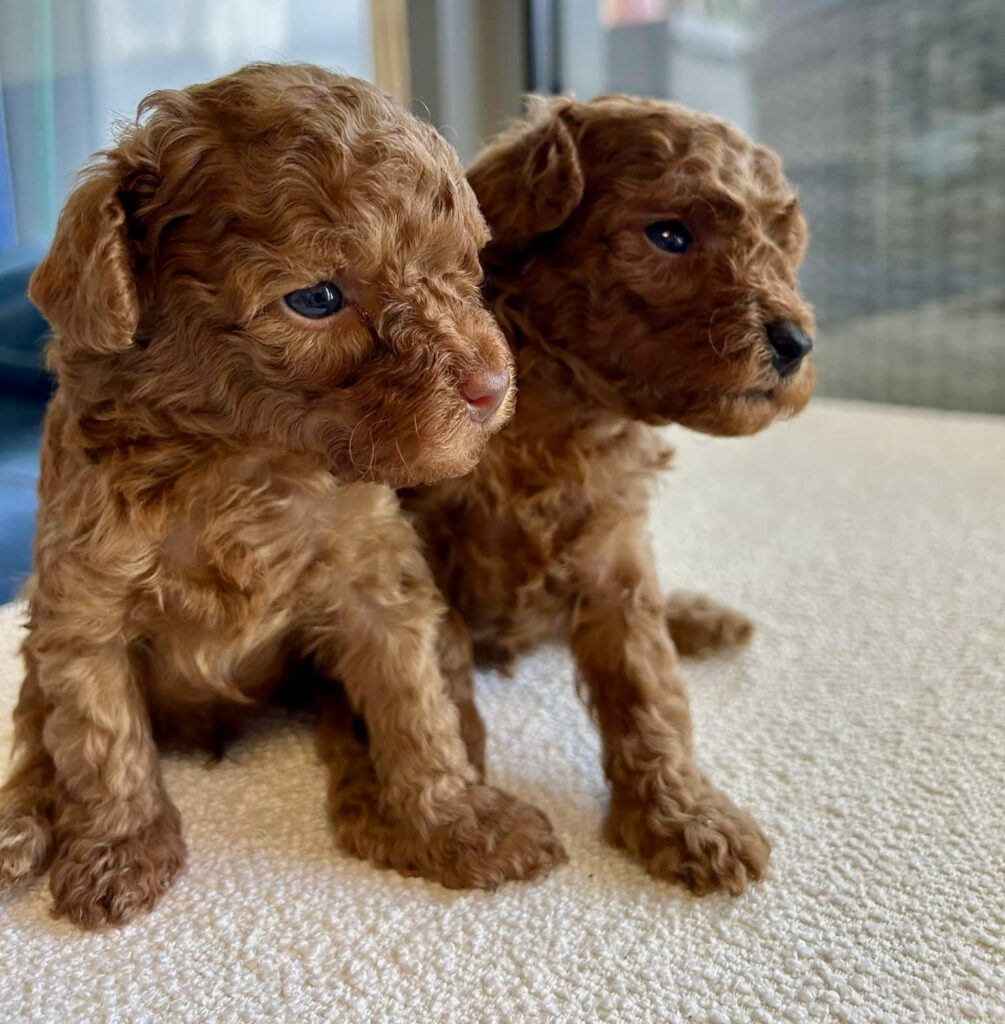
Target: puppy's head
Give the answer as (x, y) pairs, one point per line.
(655, 251)
(282, 257)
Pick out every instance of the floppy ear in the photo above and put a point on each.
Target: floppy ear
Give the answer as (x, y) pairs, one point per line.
(85, 285)
(530, 180)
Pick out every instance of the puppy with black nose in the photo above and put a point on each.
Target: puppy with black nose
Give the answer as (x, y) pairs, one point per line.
(789, 346)
(266, 312)
(643, 267)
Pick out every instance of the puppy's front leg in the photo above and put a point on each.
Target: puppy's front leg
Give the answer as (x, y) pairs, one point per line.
(407, 796)
(27, 797)
(457, 663)
(663, 809)
(117, 836)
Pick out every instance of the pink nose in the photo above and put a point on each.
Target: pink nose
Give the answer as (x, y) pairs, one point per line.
(484, 392)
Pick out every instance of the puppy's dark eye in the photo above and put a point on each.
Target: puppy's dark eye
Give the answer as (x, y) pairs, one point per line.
(316, 302)
(670, 236)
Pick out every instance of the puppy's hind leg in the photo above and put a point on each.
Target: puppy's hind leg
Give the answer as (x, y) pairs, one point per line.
(361, 826)
(699, 626)
(27, 797)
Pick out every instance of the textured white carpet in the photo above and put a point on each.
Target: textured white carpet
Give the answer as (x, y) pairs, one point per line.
(865, 727)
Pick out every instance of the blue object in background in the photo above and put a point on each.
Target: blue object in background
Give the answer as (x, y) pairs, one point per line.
(20, 429)
(24, 389)
(22, 329)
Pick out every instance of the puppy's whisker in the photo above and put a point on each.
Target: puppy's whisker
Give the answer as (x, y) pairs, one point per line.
(711, 340)
(359, 423)
(373, 455)
(401, 456)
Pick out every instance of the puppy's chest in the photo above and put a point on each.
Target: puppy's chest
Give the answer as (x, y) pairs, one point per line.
(557, 504)
(241, 572)
(535, 536)
(256, 545)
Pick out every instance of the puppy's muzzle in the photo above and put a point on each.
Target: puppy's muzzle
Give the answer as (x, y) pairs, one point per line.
(789, 346)
(484, 392)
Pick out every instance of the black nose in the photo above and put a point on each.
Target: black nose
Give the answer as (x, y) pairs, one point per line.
(789, 345)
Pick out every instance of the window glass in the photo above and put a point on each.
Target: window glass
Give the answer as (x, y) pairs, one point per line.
(70, 69)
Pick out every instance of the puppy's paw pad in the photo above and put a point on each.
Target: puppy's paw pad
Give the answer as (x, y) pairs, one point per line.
(699, 626)
(97, 881)
(25, 840)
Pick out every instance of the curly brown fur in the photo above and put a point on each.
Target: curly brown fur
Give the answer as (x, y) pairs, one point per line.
(612, 336)
(497, 839)
(214, 510)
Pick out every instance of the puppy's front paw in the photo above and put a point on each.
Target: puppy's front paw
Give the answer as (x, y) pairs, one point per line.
(495, 838)
(490, 838)
(98, 881)
(699, 626)
(699, 839)
(25, 842)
